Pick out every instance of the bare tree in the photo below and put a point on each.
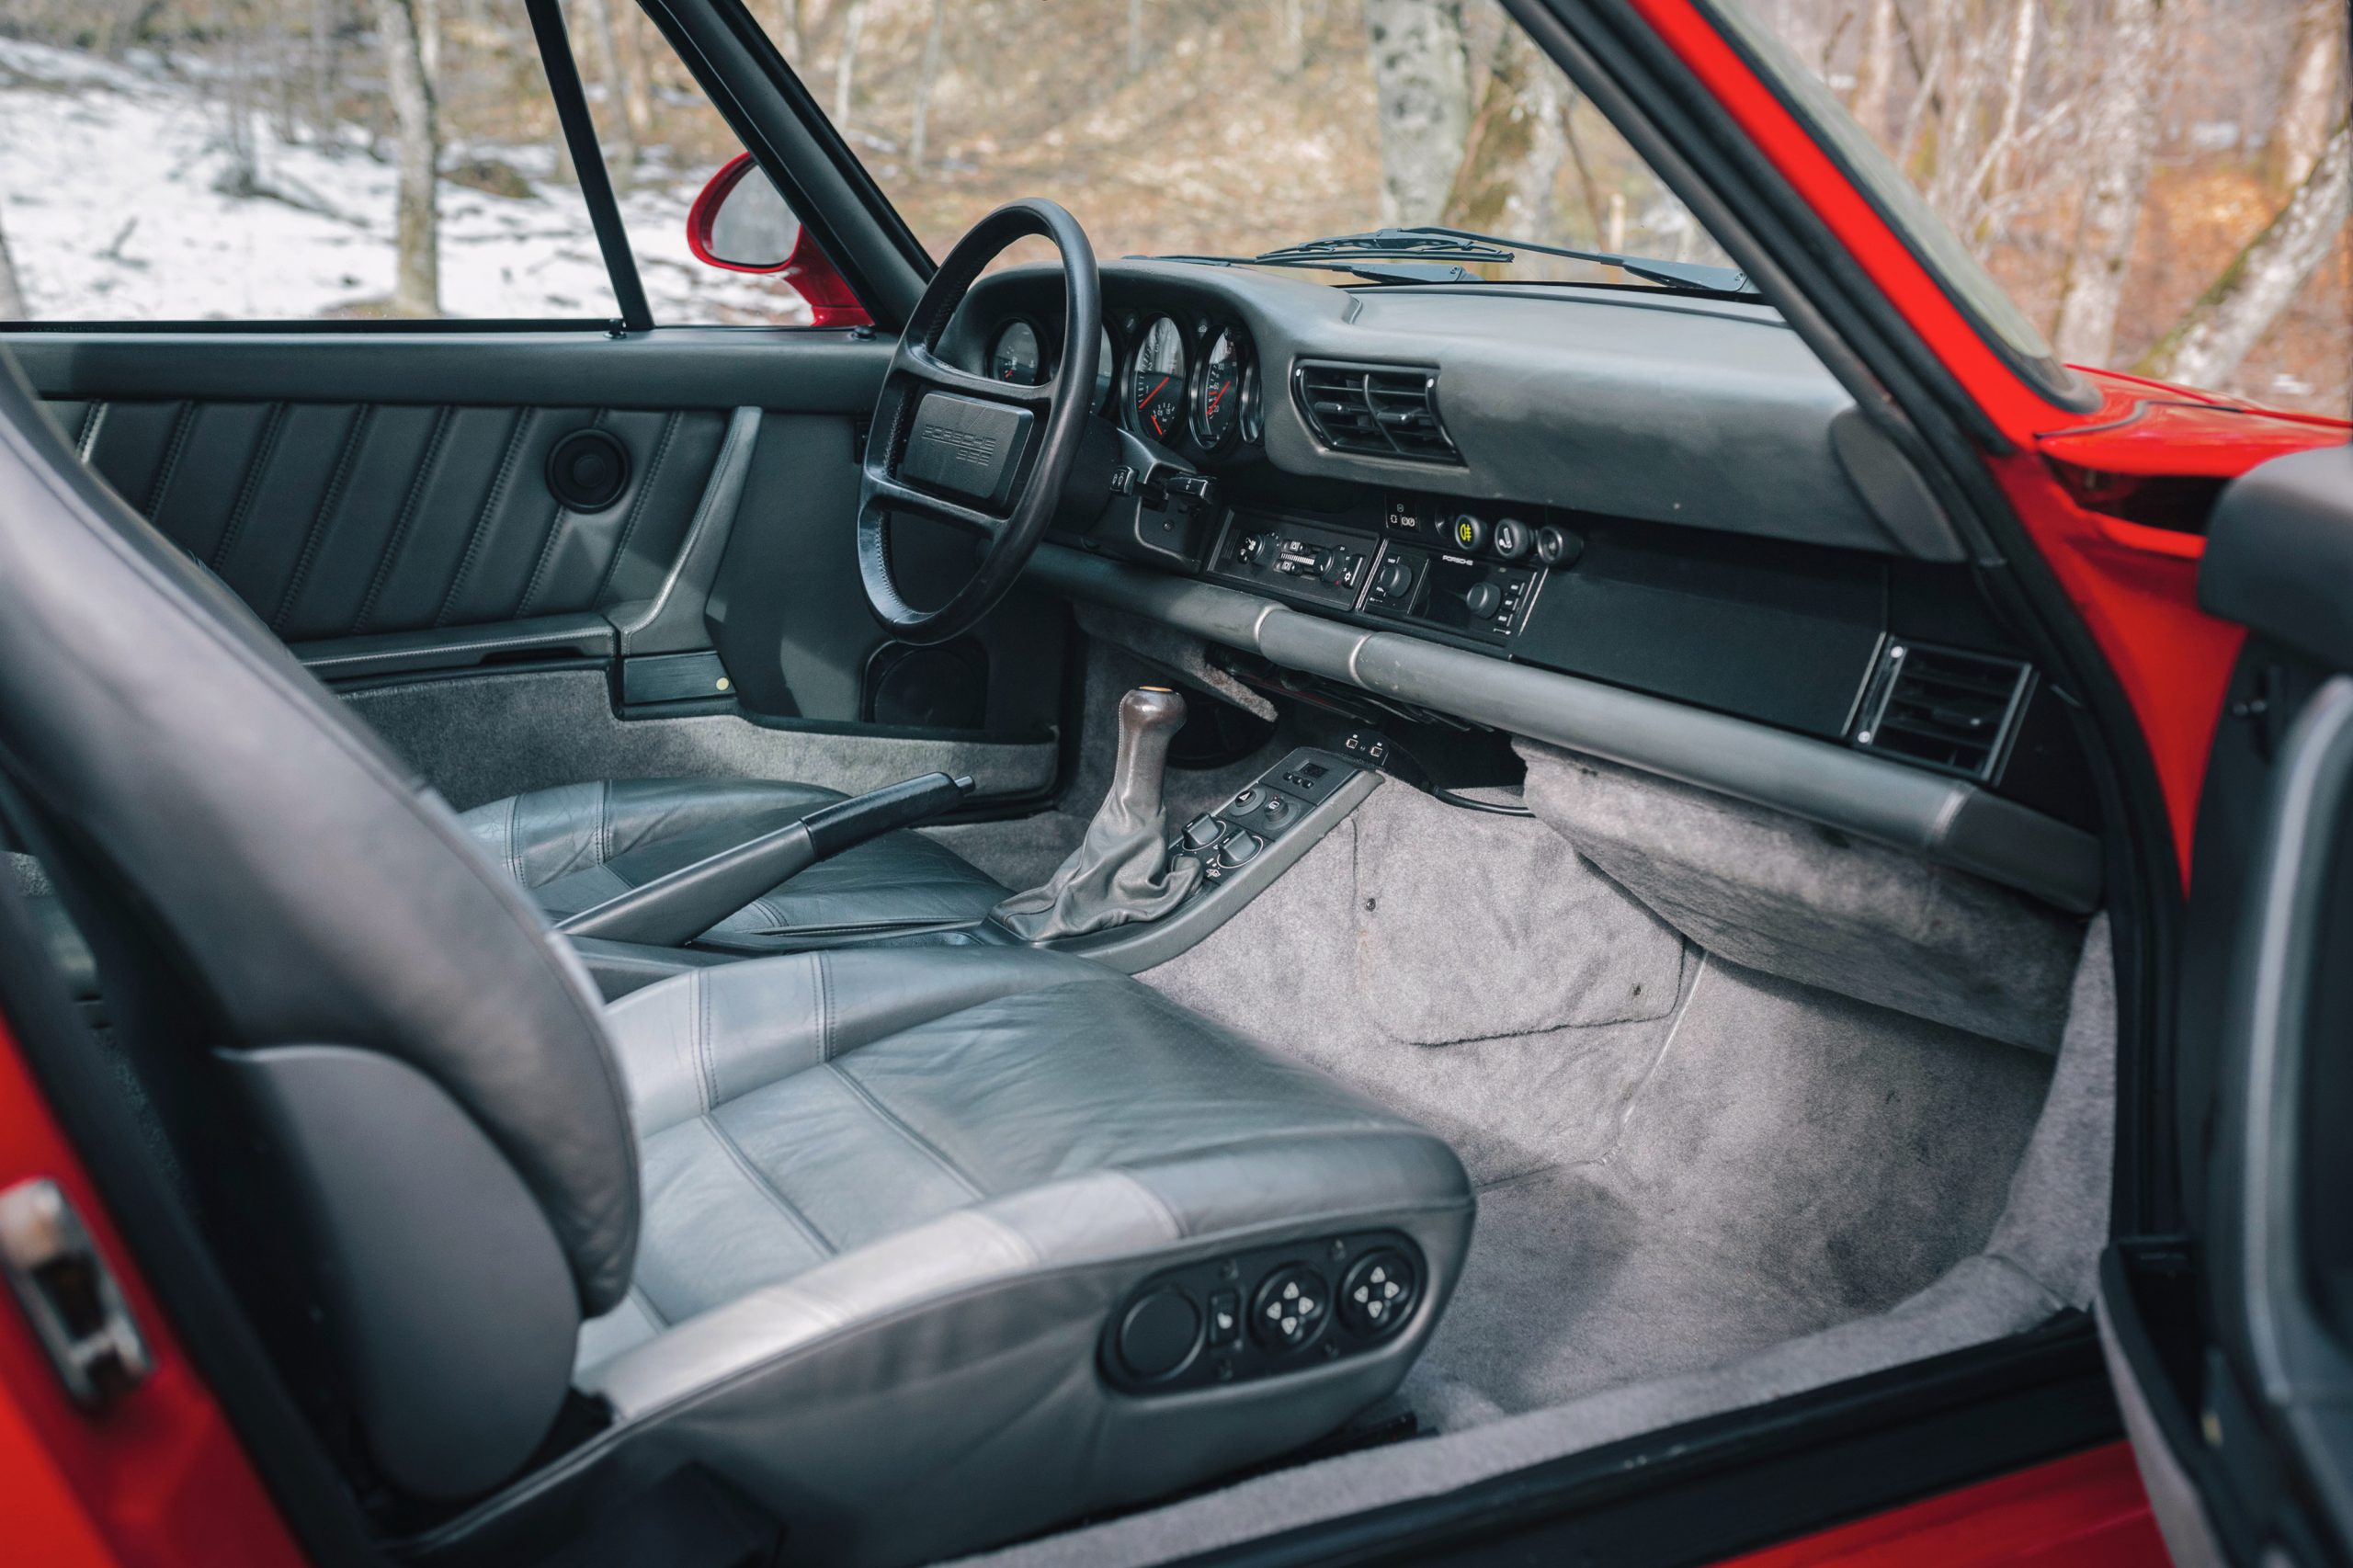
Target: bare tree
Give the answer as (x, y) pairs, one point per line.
(2120, 146)
(1421, 83)
(12, 293)
(791, 31)
(1291, 38)
(620, 140)
(2308, 93)
(846, 59)
(1875, 72)
(1135, 38)
(323, 115)
(416, 275)
(2232, 316)
(929, 73)
(1515, 146)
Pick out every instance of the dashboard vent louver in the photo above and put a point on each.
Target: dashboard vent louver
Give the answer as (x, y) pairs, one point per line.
(1945, 708)
(1388, 411)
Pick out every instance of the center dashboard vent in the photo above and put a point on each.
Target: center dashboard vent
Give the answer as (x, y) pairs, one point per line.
(1388, 411)
(1946, 709)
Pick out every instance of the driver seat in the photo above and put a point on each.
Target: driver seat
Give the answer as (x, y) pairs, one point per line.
(573, 846)
(892, 1253)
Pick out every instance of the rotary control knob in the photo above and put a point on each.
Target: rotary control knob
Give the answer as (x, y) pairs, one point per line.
(1396, 579)
(1556, 546)
(1239, 849)
(1511, 538)
(1483, 600)
(1468, 532)
(1261, 550)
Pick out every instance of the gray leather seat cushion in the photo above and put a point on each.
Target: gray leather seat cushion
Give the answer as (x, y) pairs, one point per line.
(575, 846)
(891, 1199)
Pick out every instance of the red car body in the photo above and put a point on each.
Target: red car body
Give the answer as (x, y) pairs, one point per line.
(161, 1481)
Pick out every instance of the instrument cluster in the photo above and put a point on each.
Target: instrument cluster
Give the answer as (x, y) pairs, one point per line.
(1181, 380)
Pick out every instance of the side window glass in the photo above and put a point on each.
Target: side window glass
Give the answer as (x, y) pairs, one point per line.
(727, 262)
(335, 160)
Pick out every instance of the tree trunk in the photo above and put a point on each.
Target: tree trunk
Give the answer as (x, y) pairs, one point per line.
(2121, 144)
(1875, 73)
(1514, 148)
(2231, 317)
(1591, 192)
(12, 293)
(323, 113)
(2308, 94)
(416, 275)
(929, 73)
(1291, 38)
(1135, 38)
(637, 77)
(620, 143)
(790, 33)
(1966, 201)
(845, 61)
(1421, 83)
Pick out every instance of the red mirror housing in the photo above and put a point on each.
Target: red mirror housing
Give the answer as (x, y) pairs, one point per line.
(811, 272)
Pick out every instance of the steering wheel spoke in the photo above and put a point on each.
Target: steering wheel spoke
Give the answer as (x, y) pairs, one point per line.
(928, 369)
(904, 500)
(1060, 409)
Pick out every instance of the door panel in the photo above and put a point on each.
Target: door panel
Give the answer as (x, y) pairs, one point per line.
(340, 519)
(381, 502)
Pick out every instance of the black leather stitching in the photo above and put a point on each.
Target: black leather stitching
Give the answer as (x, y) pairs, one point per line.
(182, 423)
(390, 553)
(637, 508)
(523, 421)
(329, 505)
(256, 465)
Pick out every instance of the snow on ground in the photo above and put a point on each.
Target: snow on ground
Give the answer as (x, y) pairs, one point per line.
(118, 203)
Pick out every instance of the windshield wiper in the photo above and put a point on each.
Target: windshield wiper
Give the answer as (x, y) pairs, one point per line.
(1432, 243)
(1371, 271)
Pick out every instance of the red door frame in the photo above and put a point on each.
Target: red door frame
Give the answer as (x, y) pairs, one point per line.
(159, 1481)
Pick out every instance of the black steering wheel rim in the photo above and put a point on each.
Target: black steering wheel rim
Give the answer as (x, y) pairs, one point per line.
(1058, 406)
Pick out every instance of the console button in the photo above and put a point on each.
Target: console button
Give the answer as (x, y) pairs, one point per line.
(1276, 810)
(1395, 579)
(1556, 546)
(1291, 1308)
(1482, 599)
(1203, 831)
(1239, 849)
(1160, 1333)
(1225, 1319)
(1261, 550)
(1511, 538)
(1468, 532)
(1377, 1293)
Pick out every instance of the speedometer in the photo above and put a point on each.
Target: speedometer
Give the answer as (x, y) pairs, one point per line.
(1157, 395)
(1217, 401)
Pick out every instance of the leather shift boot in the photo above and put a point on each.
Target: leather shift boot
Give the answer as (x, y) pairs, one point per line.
(1121, 873)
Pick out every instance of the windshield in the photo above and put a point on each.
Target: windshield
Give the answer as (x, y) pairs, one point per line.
(1233, 127)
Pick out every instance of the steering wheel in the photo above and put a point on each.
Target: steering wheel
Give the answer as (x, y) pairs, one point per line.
(985, 456)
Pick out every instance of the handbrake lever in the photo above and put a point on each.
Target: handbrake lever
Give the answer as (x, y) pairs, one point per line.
(678, 906)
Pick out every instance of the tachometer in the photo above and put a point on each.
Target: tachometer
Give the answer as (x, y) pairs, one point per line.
(1014, 356)
(1157, 396)
(1217, 399)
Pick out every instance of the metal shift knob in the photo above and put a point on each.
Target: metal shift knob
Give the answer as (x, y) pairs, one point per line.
(1150, 717)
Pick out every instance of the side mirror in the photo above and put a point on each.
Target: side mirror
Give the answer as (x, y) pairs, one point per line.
(741, 223)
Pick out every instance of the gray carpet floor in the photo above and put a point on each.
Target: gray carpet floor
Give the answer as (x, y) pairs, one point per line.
(1667, 1188)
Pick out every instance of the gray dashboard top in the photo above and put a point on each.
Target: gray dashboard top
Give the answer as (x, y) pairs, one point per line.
(1635, 403)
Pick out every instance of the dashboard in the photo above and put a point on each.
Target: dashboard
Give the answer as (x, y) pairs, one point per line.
(1668, 493)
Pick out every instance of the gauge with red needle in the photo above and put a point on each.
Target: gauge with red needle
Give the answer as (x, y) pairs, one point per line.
(1157, 395)
(1217, 398)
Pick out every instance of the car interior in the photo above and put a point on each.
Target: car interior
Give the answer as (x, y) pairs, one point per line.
(1175, 903)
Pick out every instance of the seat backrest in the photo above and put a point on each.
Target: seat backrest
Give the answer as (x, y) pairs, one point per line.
(371, 978)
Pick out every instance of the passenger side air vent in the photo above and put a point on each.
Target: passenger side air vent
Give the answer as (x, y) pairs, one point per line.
(1945, 708)
(1387, 411)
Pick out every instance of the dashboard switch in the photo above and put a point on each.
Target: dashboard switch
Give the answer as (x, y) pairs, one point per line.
(1556, 546)
(1239, 849)
(1202, 832)
(1468, 533)
(1482, 599)
(1511, 538)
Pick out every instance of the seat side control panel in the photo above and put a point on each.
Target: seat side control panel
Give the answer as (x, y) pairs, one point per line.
(1238, 831)
(1262, 1312)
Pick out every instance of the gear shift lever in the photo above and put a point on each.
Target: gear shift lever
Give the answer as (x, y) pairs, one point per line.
(1121, 873)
